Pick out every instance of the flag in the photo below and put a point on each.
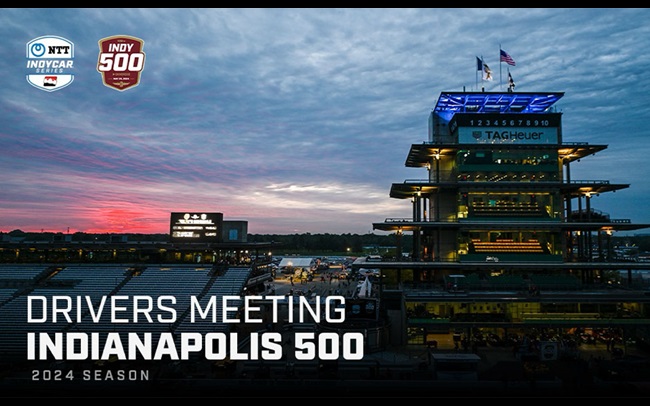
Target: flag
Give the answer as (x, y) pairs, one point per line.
(505, 57)
(511, 83)
(365, 289)
(479, 64)
(487, 72)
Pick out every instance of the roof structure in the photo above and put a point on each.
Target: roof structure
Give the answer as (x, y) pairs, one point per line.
(450, 103)
(296, 262)
(496, 102)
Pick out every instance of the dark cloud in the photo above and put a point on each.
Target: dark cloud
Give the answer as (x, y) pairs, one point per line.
(295, 119)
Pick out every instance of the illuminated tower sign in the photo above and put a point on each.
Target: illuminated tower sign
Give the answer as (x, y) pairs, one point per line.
(196, 227)
(510, 129)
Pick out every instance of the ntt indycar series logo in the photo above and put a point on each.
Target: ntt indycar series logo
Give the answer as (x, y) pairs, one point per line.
(50, 62)
(121, 61)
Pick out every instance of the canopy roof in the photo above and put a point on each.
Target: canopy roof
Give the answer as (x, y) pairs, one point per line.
(296, 262)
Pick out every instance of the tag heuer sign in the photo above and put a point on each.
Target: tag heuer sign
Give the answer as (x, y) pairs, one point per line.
(50, 62)
(121, 61)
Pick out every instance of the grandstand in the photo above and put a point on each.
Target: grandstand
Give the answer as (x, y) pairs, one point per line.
(63, 284)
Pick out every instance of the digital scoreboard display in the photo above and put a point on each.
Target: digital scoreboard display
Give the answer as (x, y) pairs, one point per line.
(473, 128)
(196, 227)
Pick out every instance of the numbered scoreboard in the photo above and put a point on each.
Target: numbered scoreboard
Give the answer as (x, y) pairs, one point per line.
(522, 128)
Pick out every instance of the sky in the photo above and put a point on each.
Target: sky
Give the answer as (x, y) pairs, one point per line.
(296, 120)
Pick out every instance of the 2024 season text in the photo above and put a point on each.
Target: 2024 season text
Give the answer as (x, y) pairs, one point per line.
(49, 375)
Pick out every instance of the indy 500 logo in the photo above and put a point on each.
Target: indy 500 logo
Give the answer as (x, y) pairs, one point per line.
(50, 63)
(121, 61)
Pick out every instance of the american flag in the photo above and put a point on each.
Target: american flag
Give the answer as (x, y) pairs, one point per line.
(505, 57)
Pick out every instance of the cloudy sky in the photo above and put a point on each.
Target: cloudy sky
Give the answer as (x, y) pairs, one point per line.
(296, 120)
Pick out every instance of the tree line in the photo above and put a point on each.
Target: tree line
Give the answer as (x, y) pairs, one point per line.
(338, 244)
(334, 243)
(301, 243)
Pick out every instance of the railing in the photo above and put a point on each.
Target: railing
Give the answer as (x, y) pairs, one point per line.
(417, 181)
(410, 220)
(565, 144)
(559, 316)
(590, 182)
(503, 246)
(452, 179)
(592, 211)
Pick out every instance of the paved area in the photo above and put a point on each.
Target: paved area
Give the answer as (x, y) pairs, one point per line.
(321, 285)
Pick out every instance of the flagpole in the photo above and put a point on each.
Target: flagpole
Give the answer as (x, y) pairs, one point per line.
(482, 74)
(500, 81)
(476, 75)
(511, 82)
(478, 69)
